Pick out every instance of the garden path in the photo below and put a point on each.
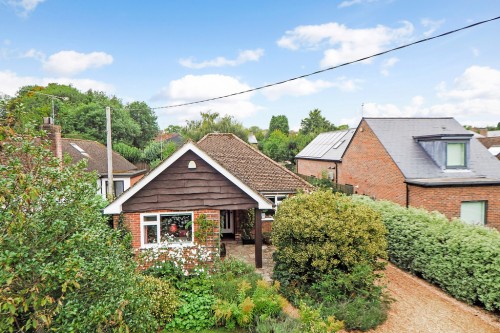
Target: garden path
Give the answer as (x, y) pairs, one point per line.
(418, 306)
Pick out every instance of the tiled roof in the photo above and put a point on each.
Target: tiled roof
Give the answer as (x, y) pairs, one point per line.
(397, 135)
(96, 155)
(328, 146)
(250, 165)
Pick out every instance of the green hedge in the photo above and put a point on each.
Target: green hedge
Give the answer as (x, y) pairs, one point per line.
(463, 260)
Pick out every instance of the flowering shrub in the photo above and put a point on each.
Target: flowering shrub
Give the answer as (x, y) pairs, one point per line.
(187, 257)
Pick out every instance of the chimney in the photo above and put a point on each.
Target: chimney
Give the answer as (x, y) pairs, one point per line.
(54, 135)
(483, 131)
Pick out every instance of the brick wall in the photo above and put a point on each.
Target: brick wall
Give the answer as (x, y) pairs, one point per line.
(314, 168)
(447, 200)
(368, 167)
(132, 221)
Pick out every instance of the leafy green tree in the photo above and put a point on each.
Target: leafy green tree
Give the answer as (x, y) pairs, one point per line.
(315, 123)
(145, 117)
(173, 129)
(276, 146)
(83, 115)
(62, 267)
(211, 123)
(279, 123)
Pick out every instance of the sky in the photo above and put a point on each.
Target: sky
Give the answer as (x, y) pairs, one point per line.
(172, 52)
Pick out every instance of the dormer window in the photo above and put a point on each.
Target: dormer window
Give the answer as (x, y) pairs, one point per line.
(448, 151)
(455, 155)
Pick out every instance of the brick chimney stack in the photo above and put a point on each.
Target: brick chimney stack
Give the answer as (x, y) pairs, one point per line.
(483, 131)
(54, 135)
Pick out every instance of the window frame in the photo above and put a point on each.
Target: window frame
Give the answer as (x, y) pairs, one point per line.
(275, 199)
(484, 208)
(158, 215)
(464, 145)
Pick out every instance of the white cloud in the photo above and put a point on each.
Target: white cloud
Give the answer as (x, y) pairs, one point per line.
(243, 57)
(23, 7)
(473, 99)
(71, 62)
(344, 44)
(304, 87)
(198, 87)
(431, 25)
(10, 83)
(35, 54)
(349, 3)
(386, 65)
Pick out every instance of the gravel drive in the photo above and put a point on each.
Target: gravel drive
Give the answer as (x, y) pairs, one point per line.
(418, 306)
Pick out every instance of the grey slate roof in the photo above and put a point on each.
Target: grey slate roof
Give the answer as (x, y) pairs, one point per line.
(329, 146)
(397, 137)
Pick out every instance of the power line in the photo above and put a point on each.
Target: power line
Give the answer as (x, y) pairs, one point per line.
(330, 68)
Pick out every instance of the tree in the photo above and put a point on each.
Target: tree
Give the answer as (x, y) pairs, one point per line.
(213, 123)
(83, 114)
(279, 123)
(62, 267)
(144, 116)
(276, 146)
(316, 123)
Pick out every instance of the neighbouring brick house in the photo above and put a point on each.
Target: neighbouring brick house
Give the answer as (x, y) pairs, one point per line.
(220, 177)
(323, 155)
(125, 174)
(432, 163)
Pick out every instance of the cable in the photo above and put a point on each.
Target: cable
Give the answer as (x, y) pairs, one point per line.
(329, 68)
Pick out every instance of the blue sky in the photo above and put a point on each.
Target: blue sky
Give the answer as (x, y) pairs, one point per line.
(171, 52)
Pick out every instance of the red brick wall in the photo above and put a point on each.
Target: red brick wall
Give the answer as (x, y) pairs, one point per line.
(314, 168)
(447, 200)
(132, 221)
(367, 166)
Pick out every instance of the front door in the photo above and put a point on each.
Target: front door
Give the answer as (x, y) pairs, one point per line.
(227, 221)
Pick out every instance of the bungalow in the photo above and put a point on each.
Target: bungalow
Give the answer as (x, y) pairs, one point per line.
(219, 179)
(125, 174)
(432, 163)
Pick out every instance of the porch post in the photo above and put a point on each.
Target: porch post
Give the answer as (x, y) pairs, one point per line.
(258, 238)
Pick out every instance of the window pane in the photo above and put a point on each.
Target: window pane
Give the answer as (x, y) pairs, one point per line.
(150, 233)
(176, 228)
(473, 212)
(150, 218)
(119, 187)
(455, 154)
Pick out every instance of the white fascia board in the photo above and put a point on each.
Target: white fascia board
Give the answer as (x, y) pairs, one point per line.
(116, 206)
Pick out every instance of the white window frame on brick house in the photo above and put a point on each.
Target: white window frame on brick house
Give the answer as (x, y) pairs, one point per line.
(276, 199)
(157, 223)
(474, 212)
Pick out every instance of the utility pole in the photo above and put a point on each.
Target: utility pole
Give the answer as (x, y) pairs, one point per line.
(110, 155)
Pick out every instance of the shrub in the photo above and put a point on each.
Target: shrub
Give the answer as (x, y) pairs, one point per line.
(196, 307)
(319, 232)
(462, 259)
(163, 298)
(61, 267)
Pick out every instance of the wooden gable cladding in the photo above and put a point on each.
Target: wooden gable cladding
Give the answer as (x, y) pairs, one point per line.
(181, 188)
